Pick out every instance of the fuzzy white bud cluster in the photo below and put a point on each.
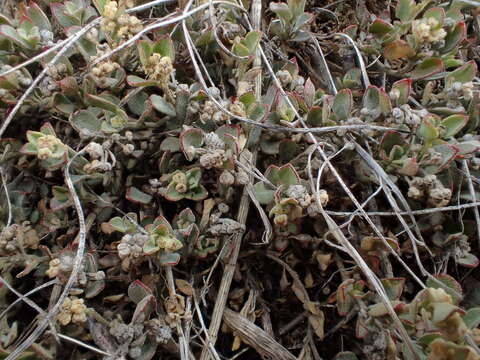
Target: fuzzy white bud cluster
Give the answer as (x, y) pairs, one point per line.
(428, 30)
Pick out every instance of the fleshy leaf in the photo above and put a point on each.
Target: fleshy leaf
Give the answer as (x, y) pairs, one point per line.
(161, 105)
(454, 37)
(404, 87)
(150, 247)
(251, 40)
(136, 81)
(463, 74)
(144, 308)
(171, 144)
(198, 193)
(344, 300)
(118, 224)
(169, 259)
(137, 291)
(190, 140)
(144, 48)
(443, 310)
(448, 283)
(380, 27)
(38, 17)
(472, 318)
(427, 130)
(172, 194)
(453, 124)
(297, 7)
(287, 150)
(86, 122)
(375, 98)
(12, 34)
(405, 10)
(437, 13)
(398, 49)
(287, 175)
(468, 260)
(165, 48)
(137, 196)
(427, 67)
(102, 103)
(262, 194)
(394, 287)
(282, 10)
(314, 116)
(342, 104)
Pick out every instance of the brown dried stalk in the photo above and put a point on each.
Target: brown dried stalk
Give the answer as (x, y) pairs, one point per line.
(253, 335)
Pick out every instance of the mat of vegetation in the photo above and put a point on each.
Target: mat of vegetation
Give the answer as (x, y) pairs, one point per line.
(239, 179)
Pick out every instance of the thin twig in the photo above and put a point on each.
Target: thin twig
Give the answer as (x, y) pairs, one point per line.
(384, 178)
(33, 291)
(408, 213)
(208, 340)
(294, 322)
(360, 209)
(22, 297)
(268, 232)
(7, 198)
(473, 195)
(84, 345)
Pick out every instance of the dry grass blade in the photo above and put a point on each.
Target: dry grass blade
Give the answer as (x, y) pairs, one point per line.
(316, 317)
(339, 235)
(256, 337)
(324, 67)
(44, 53)
(361, 63)
(228, 273)
(385, 178)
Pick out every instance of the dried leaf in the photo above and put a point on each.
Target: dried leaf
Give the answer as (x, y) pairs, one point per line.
(184, 286)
